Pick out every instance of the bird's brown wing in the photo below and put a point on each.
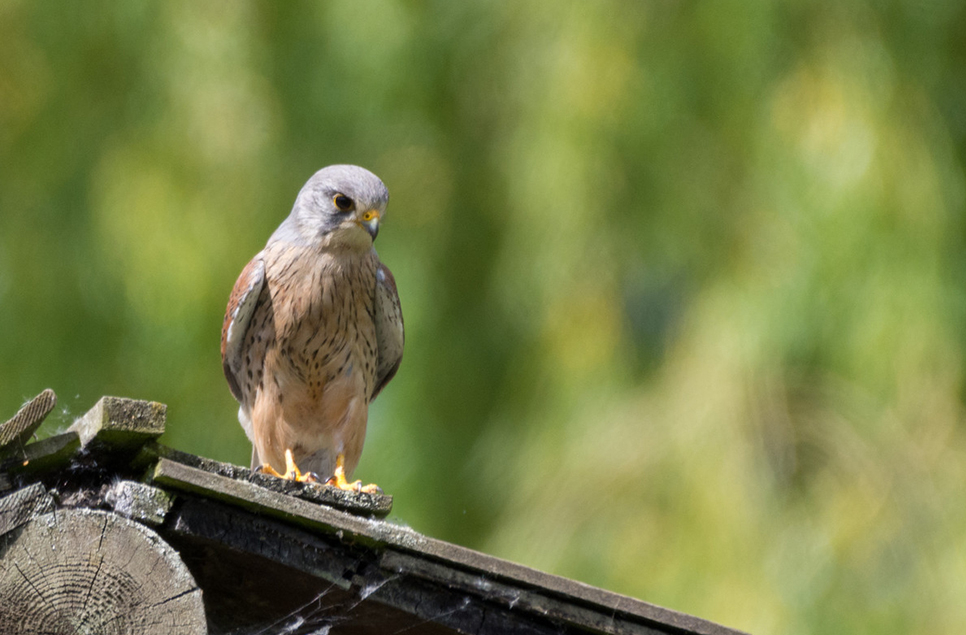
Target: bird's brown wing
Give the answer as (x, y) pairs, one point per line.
(238, 317)
(390, 333)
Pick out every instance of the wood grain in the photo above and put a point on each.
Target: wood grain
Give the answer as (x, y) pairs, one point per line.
(86, 571)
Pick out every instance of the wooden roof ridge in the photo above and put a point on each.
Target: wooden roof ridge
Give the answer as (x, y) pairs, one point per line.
(267, 551)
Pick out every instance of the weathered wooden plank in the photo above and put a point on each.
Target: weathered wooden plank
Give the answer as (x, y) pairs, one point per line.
(51, 453)
(138, 501)
(22, 505)
(568, 600)
(15, 432)
(259, 571)
(115, 423)
(467, 613)
(522, 598)
(80, 570)
(322, 555)
(176, 475)
(359, 503)
(601, 610)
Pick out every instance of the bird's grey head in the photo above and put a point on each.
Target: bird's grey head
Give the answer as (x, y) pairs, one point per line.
(341, 205)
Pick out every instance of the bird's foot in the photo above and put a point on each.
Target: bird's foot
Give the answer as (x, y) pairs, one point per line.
(292, 472)
(339, 480)
(266, 468)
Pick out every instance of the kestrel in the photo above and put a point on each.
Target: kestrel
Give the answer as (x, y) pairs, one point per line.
(314, 331)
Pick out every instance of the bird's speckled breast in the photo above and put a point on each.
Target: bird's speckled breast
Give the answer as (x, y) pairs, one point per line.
(322, 306)
(311, 354)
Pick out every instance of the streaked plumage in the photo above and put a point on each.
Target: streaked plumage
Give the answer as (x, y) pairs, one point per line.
(313, 330)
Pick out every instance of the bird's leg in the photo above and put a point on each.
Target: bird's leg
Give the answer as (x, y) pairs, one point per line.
(339, 480)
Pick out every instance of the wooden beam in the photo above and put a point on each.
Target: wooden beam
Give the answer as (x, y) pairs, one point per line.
(119, 424)
(358, 503)
(16, 432)
(42, 456)
(94, 571)
(448, 566)
(258, 570)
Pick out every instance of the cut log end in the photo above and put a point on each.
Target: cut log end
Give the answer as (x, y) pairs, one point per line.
(85, 571)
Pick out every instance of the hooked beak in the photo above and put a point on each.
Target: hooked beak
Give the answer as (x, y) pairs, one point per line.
(370, 221)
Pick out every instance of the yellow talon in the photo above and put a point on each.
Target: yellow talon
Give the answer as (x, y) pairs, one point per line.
(268, 469)
(291, 469)
(292, 472)
(338, 479)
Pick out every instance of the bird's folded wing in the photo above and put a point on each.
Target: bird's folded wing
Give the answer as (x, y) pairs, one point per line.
(390, 334)
(238, 317)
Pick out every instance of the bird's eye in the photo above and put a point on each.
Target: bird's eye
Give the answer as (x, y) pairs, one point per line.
(342, 202)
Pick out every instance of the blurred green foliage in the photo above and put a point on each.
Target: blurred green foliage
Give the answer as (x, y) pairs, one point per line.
(684, 282)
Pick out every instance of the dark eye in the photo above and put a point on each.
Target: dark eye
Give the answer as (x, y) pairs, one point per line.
(342, 202)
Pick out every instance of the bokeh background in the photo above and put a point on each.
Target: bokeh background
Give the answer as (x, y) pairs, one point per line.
(684, 282)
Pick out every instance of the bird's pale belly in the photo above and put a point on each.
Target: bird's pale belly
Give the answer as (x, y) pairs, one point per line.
(315, 401)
